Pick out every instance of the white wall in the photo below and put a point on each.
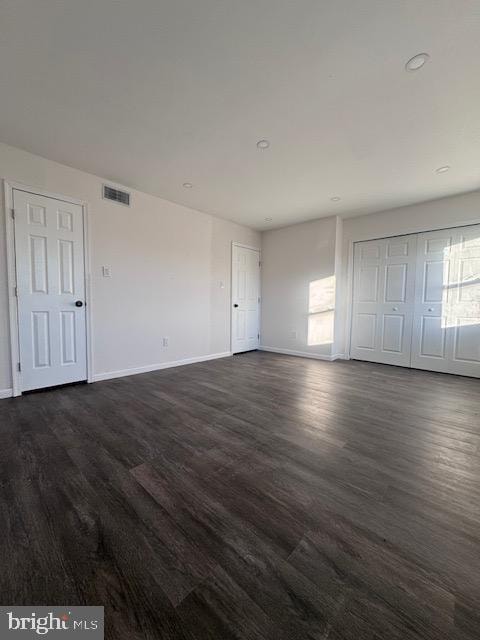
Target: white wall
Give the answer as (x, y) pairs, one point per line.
(293, 258)
(168, 263)
(434, 214)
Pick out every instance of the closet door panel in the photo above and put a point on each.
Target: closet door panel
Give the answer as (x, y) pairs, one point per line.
(383, 300)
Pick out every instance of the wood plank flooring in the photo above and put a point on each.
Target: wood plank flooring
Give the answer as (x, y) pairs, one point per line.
(255, 497)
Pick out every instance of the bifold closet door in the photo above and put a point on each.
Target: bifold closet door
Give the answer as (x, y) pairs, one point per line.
(446, 334)
(383, 300)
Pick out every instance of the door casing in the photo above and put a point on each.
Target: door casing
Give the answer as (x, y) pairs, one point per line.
(8, 188)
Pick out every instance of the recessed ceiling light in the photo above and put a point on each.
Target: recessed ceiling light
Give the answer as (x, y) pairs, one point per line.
(335, 198)
(263, 144)
(187, 185)
(443, 169)
(268, 219)
(417, 62)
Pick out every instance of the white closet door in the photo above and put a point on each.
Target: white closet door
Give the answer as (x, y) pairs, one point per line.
(446, 334)
(51, 290)
(245, 300)
(383, 300)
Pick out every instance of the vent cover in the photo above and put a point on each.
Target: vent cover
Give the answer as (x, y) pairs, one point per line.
(110, 193)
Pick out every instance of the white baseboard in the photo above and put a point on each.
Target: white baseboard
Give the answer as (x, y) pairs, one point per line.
(156, 367)
(304, 354)
(8, 393)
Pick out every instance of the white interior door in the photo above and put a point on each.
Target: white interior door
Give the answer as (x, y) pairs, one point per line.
(383, 300)
(245, 299)
(50, 268)
(446, 334)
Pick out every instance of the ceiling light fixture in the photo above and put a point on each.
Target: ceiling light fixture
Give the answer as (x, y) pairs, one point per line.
(187, 185)
(417, 62)
(335, 198)
(268, 219)
(263, 144)
(443, 169)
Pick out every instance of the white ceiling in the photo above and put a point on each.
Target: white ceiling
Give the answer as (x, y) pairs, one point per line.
(155, 93)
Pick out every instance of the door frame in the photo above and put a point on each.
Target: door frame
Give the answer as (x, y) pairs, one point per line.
(244, 246)
(365, 237)
(8, 187)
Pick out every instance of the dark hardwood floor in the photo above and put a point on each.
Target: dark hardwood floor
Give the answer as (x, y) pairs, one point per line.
(254, 497)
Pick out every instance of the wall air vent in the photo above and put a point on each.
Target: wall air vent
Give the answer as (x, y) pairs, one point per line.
(116, 195)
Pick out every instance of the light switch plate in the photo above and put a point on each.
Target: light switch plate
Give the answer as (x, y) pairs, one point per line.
(106, 272)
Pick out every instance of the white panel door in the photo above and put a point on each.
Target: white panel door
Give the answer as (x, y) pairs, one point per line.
(50, 270)
(383, 300)
(446, 334)
(245, 299)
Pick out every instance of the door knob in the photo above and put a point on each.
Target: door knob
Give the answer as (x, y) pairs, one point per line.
(431, 309)
(394, 308)
(79, 303)
(235, 305)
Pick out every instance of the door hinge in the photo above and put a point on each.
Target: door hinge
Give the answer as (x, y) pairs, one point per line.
(19, 366)
(258, 336)
(259, 263)
(12, 212)
(258, 300)
(15, 291)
